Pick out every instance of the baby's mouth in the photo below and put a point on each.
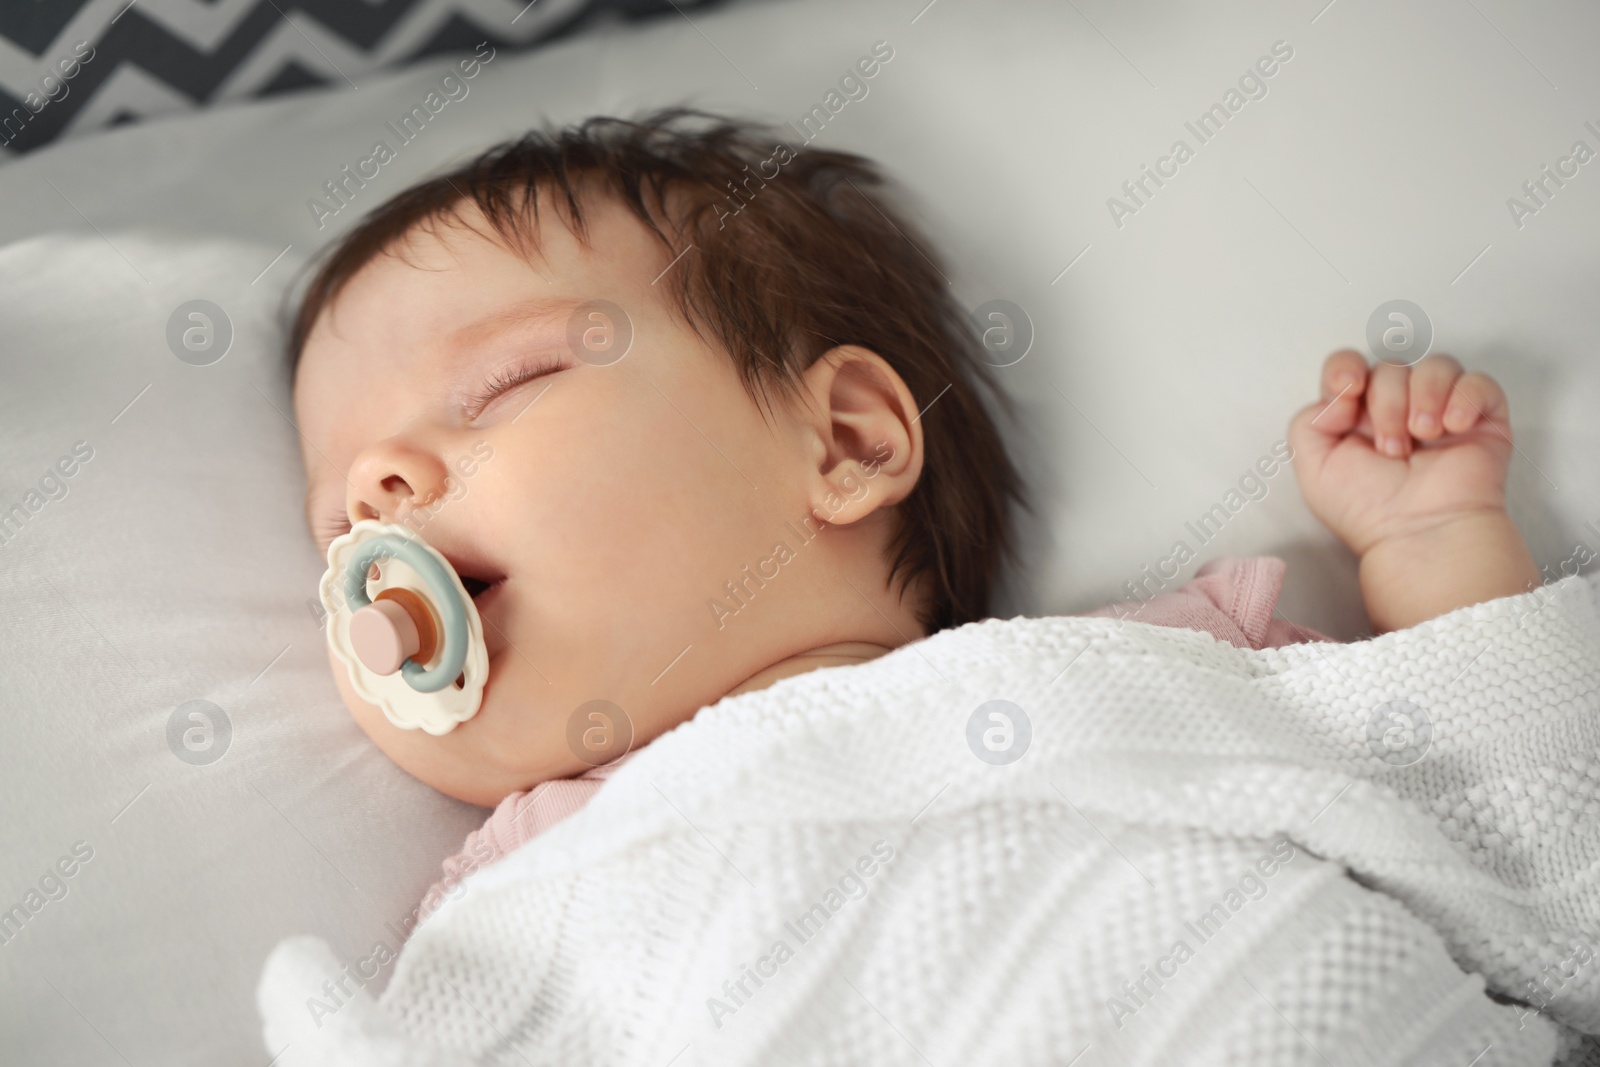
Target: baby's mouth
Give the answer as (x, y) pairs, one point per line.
(482, 590)
(480, 577)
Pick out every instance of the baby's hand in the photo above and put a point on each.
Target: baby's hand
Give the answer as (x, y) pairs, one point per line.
(1427, 517)
(1361, 473)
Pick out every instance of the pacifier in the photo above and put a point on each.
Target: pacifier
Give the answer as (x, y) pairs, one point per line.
(401, 622)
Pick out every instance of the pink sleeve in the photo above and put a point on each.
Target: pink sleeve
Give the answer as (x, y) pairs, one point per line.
(519, 818)
(1232, 598)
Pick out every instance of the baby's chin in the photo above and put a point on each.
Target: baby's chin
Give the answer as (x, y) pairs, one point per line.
(470, 762)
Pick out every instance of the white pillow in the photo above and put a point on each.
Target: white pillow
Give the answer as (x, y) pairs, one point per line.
(1169, 355)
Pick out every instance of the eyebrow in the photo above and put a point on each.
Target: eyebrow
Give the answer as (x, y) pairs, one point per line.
(517, 314)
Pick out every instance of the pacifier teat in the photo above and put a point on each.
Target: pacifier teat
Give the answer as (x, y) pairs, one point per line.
(389, 631)
(401, 622)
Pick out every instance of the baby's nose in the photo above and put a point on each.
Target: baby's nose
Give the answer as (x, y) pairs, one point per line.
(390, 477)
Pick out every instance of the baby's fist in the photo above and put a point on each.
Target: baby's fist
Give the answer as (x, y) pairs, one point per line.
(1392, 451)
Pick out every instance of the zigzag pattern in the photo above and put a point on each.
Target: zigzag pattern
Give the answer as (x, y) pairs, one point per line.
(71, 66)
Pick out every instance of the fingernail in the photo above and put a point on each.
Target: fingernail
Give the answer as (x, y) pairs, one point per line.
(1390, 446)
(1426, 422)
(1344, 378)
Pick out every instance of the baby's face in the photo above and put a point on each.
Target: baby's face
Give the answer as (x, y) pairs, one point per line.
(608, 505)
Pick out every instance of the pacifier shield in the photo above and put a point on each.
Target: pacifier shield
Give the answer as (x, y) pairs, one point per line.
(401, 633)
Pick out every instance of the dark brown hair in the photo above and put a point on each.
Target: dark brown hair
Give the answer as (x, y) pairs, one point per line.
(785, 266)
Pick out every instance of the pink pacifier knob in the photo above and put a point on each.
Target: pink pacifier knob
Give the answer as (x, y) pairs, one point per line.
(383, 635)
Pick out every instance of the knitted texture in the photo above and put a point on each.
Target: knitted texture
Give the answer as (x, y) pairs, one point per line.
(1232, 598)
(1205, 854)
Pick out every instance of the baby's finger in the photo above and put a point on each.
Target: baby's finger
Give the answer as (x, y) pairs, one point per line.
(1316, 429)
(1475, 397)
(1431, 381)
(1344, 375)
(1387, 403)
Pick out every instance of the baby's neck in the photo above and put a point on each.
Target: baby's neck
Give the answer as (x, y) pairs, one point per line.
(834, 655)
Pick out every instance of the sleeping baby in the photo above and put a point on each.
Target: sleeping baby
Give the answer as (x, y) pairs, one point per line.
(786, 459)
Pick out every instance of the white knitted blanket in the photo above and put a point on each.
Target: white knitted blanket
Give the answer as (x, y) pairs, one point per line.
(1204, 854)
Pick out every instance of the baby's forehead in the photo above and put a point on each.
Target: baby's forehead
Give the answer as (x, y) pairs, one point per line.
(450, 267)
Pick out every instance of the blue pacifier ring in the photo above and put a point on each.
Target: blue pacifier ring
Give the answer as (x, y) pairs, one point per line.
(446, 599)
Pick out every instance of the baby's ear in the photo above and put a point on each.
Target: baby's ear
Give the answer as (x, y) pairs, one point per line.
(867, 435)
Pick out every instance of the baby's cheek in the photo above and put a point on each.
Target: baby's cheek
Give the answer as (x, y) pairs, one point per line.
(367, 716)
(454, 763)
(383, 733)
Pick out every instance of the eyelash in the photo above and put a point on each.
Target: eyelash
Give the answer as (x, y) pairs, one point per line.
(334, 526)
(505, 381)
(338, 523)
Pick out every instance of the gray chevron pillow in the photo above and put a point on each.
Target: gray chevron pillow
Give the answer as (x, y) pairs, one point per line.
(75, 66)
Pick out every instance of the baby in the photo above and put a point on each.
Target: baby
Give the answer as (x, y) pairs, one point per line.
(692, 411)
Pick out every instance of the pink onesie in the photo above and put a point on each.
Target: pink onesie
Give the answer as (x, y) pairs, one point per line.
(1232, 598)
